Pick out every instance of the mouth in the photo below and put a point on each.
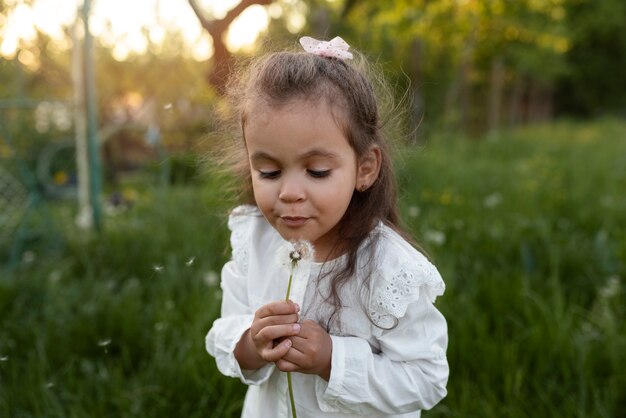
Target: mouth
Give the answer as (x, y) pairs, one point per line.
(293, 221)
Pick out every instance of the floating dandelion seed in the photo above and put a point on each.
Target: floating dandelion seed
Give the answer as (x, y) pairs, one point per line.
(167, 106)
(104, 343)
(190, 261)
(158, 268)
(50, 385)
(4, 358)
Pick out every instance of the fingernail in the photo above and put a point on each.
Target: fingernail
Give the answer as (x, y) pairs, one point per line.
(297, 307)
(287, 343)
(296, 327)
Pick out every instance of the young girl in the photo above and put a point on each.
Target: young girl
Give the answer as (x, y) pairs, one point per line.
(360, 334)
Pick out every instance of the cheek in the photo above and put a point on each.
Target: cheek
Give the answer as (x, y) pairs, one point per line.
(262, 196)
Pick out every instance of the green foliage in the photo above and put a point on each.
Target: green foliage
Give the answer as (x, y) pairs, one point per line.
(594, 85)
(528, 230)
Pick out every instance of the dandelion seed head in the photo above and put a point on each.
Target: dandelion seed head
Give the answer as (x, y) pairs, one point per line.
(295, 256)
(293, 252)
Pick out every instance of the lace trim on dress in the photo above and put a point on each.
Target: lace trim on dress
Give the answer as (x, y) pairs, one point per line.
(239, 223)
(395, 292)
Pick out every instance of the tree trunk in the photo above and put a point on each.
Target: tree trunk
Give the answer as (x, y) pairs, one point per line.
(496, 82)
(516, 100)
(222, 58)
(417, 99)
(458, 95)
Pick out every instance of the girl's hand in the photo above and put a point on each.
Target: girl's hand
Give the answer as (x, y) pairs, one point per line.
(310, 353)
(265, 341)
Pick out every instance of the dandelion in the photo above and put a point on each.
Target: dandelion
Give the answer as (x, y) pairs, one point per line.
(492, 200)
(157, 268)
(54, 276)
(434, 236)
(289, 256)
(414, 211)
(28, 257)
(190, 261)
(211, 278)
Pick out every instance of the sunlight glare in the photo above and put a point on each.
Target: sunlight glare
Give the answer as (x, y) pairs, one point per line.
(244, 30)
(203, 48)
(129, 26)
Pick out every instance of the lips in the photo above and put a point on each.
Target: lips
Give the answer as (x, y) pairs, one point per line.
(294, 221)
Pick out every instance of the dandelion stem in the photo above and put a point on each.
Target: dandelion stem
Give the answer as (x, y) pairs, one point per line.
(291, 400)
(293, 404)
(293, 265)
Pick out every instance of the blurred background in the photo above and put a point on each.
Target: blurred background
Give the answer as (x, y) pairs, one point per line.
(512, 175)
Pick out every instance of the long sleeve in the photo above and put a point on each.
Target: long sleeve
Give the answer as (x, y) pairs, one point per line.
(403, 367)
(409, 373)
(236, 314)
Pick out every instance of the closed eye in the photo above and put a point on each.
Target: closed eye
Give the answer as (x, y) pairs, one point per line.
(271, 175)
(318, 174)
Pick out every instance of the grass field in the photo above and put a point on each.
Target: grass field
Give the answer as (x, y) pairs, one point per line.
(528, 230)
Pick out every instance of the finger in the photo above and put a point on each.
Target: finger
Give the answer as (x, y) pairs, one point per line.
(300, 344)
(275, 353)
(286, 366)
(277, 320)
(259, 324)
(296, 356)
(281, 307)
(275, 331)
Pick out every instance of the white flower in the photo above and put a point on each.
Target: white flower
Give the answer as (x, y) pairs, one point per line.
(436, 237)
(492, 200)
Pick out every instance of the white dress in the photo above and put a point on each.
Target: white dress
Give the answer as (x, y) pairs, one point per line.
(375, 371)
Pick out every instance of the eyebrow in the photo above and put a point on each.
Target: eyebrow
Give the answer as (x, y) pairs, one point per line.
(316, 152)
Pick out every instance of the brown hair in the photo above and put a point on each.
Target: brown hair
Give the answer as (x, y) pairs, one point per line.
(279, 78)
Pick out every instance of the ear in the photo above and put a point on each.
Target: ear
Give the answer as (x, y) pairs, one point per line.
(368, 168)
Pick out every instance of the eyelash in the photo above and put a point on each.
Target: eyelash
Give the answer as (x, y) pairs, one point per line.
(319, 174)
(271, 175)
(316, 174)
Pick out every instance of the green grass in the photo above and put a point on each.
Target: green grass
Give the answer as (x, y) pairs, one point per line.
(528, 230)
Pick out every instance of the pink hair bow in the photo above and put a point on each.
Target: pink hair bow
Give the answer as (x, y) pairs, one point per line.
(335, 48)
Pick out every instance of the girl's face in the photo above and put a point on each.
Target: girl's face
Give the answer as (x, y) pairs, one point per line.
(304, 171)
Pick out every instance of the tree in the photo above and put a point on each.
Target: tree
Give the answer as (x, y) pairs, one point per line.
(222, 57)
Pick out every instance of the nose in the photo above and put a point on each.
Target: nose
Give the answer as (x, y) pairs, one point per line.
(291, 189)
